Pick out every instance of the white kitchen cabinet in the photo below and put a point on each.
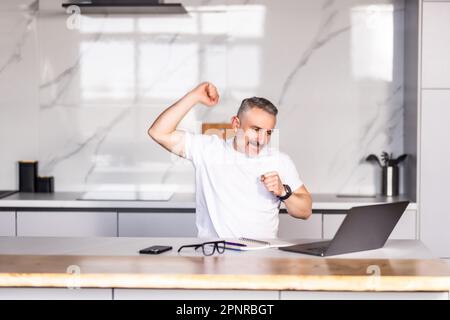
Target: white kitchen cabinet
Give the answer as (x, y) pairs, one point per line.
(7, 223)
(55, 294)
(435, 171)
(321, 295)
(331, 223)
(293, 228)
(436, 45)
(66, 224)
(170, 224)
(172, 294)
(154, 224)
(405, 228)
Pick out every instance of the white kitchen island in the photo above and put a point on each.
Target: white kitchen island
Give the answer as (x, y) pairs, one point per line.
(111, 268)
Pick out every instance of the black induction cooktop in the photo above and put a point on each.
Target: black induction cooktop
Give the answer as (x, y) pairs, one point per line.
(5, 193)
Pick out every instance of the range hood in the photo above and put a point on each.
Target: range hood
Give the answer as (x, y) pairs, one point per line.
(126, 7)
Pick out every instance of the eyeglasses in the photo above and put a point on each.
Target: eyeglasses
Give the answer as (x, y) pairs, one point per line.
(208, 248)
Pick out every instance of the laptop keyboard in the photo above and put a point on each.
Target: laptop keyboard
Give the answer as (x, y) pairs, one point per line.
(317, 245)
(316, 248)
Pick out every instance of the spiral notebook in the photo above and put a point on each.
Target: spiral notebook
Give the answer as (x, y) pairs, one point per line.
(248, 244)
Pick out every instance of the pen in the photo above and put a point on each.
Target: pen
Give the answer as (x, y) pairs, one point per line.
(235, 244)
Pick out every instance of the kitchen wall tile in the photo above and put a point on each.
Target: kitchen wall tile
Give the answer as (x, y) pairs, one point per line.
(86, 96)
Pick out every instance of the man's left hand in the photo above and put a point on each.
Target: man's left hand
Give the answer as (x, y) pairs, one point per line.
(273, 183)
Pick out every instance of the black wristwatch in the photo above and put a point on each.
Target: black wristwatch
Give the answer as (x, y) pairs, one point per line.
(288, 192)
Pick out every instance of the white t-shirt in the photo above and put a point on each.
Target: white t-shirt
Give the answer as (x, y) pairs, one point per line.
(231, 201)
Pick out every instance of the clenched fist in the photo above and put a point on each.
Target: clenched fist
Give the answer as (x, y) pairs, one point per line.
(206, 93)
(273, 183)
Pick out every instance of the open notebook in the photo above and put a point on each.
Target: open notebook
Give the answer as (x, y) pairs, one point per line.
(247, 244)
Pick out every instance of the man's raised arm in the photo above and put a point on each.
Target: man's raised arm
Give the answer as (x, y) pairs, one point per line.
(164, 129)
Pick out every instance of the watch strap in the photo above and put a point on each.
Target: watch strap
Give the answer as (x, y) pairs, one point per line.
(288, 192)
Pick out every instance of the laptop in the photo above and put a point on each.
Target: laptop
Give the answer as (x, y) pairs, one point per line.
(364, 228)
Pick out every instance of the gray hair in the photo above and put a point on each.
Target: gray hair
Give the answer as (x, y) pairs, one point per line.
(257, 102)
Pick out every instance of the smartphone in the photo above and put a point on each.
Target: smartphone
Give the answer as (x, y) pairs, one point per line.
(155, 249)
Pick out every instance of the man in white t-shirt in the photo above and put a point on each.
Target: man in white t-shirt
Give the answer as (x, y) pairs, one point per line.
(240, 182)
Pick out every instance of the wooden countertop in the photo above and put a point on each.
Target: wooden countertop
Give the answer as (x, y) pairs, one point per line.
(224, 272)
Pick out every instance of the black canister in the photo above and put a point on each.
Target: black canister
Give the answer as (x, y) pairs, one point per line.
(28, 171)
(45, 184)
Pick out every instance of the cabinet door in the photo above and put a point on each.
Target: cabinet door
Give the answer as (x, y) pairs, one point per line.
(172, 294)
(7, 223)
(67, 224)
(293, 228)
(405, 228)
(55, 294)
(347, 295)
(331, 223)
(435, 171)
(154, 224)
(436, 45)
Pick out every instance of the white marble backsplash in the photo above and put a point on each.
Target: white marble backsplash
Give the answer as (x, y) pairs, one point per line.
(80, 100)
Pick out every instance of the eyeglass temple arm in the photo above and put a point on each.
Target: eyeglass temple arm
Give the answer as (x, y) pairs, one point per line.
(189, 246)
